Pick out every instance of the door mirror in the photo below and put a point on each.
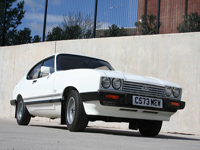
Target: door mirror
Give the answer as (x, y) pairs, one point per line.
(45, 70)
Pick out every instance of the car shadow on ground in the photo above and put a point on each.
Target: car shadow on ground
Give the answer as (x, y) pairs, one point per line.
(136, 134)
(123, 133)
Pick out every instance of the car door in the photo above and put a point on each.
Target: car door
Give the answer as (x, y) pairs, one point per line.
(40, 86)
(28, 92)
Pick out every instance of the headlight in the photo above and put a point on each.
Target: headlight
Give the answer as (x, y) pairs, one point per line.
(116, 83)
(176, 92)
(105, 82)
(168, 91)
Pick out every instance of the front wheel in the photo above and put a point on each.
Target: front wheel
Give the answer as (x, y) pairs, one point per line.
(150, 128)
(23, 116)
(76, 117)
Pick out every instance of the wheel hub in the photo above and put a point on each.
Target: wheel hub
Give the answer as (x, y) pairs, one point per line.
(20, 110)
(71, 110)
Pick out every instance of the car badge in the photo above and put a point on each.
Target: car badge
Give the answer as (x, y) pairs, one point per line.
(145, 88)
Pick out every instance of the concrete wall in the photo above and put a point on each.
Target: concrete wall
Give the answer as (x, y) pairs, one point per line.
(173, 57)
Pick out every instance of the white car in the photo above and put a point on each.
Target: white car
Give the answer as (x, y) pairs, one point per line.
(79, 89)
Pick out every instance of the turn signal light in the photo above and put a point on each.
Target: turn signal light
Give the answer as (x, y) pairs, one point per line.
(116, 97)
(175, 104)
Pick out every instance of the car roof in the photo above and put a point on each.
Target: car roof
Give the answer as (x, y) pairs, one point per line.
(73, 55)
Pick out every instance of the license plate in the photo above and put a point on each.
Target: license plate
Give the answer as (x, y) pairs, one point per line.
(146, 101)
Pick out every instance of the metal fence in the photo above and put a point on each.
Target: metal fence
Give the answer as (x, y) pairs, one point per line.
(42, 20)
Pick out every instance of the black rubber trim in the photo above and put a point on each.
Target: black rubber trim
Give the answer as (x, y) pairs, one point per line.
(42, 101)
(44, 96)
(182, 104)
(150, 112)
(125, 100)
(90, 96)
(13, 102)
(122, 109)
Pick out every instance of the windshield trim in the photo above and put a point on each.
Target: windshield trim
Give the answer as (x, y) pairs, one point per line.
(110, 67)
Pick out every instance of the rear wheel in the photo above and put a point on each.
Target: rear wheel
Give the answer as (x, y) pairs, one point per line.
(150, 128)
(23, 116)
(76, 117)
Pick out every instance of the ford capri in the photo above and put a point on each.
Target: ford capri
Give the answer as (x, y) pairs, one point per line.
(78, 89)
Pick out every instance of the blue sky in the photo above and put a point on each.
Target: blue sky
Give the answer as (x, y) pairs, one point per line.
(119, 12)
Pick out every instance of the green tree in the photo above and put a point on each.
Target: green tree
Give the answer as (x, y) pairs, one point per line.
(83, 21)
(73, 32)
(68, 32)
(22, 37)
(36, 39)
(191, 23)
(57, 33)
(147, 25)
(88, 34)
(74, 26)
(114, 30)
(13, 18)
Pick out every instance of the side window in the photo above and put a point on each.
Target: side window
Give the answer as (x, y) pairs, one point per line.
(35, 71)
(48, 63)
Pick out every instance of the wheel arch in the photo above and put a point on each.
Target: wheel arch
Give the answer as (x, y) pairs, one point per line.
(65, 93)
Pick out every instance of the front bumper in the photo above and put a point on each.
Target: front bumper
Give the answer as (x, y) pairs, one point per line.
(13, 102)
(125, 101)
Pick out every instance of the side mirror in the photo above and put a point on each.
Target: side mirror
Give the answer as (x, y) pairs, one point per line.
(45, 70)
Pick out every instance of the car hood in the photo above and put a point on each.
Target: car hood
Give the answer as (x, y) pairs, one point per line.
(137, 78)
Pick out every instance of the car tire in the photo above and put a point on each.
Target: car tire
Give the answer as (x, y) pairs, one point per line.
(150, 128)
(76, 118)
(23, 117)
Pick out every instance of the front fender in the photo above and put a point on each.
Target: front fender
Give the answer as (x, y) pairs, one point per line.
(84, 80)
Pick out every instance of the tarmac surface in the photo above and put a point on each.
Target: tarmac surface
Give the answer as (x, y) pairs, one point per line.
(47, 135)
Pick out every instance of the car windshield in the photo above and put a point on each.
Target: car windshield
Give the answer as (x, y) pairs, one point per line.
(67, 62)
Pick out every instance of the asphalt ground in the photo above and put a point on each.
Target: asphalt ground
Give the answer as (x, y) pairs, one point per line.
(46, 136)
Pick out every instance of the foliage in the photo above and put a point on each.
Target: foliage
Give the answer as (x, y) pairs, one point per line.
(83, 21)
(13, 18)
(36, 39)
(191, 23)
(74, 26)
(22, 37)
(57, 33)
(147, 25)
(114, 30)
(88, 34)
(73, 32)
(69, 32)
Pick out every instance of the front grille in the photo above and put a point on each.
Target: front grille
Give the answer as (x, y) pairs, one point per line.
(143, 89)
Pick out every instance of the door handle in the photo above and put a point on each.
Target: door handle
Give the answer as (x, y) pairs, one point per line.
(34, 81)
